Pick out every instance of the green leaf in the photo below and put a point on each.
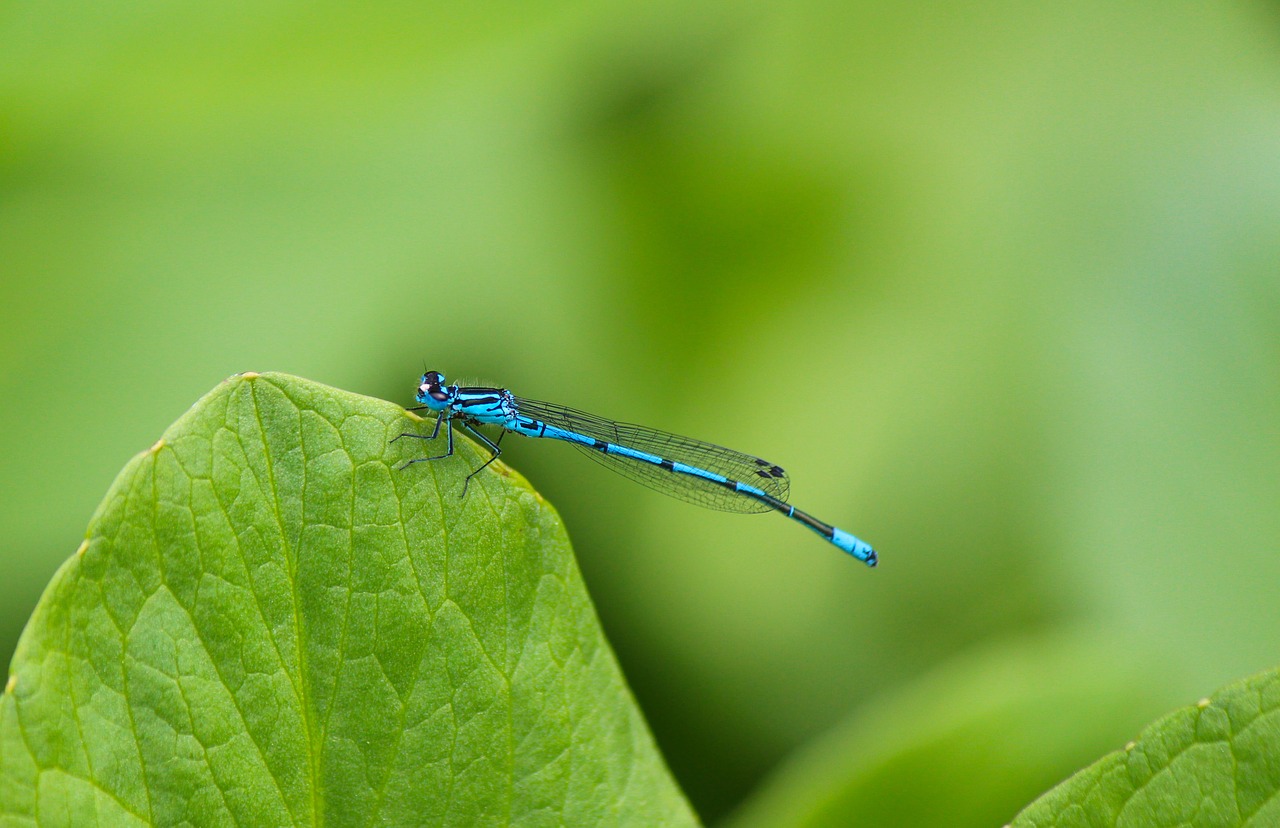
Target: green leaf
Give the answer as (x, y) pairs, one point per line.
(268, 624)
(965, 745)
(1212, 765)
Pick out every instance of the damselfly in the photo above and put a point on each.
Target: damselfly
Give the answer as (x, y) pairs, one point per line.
(690, 470)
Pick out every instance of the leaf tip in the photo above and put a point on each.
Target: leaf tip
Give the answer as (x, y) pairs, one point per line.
(156, 446)
(1203, 703)
(241, 376)
(1130, 745)
(11, 683)
(83, 547)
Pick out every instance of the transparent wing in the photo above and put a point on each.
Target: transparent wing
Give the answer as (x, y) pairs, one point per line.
(732, 464)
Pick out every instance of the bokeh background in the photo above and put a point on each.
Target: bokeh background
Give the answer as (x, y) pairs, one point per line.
(998, 283)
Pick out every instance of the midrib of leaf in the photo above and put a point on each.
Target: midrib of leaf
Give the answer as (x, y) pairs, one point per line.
(302, 683)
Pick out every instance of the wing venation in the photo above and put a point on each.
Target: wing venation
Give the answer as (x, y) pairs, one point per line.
(734, 465)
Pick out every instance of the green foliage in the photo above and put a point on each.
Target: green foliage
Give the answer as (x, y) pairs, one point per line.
(957, 747)
(996, 282)
(1212, 765)
(268, 624)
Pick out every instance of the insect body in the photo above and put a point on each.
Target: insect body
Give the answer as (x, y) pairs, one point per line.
(691, 470)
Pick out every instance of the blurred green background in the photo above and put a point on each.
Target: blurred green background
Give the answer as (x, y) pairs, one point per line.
(999, 284)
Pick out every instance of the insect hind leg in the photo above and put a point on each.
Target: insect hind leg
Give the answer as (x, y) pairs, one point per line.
(493, 447)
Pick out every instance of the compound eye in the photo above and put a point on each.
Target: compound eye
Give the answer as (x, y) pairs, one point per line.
(433, 378)
(438, 394)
